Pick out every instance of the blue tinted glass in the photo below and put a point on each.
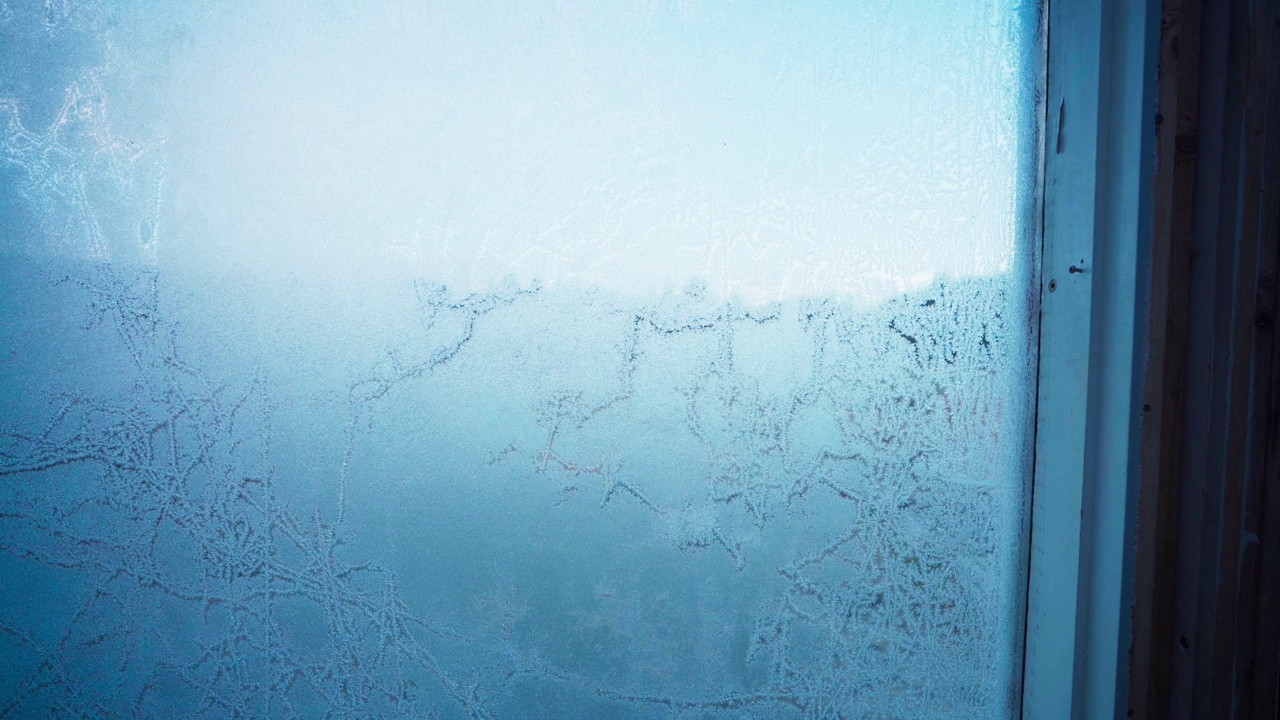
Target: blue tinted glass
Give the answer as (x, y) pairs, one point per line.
(560, 360)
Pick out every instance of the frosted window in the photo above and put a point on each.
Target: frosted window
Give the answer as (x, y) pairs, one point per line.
(568, 360)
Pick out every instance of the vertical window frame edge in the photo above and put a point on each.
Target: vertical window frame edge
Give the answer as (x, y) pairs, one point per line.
(1098, 157)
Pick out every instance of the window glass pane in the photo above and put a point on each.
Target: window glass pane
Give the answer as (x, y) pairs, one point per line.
(539, 359)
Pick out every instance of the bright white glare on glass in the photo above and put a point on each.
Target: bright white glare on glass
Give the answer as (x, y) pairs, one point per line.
(853, 150)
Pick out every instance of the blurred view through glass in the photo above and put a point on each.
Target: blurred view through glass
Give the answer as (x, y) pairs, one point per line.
(516, 360)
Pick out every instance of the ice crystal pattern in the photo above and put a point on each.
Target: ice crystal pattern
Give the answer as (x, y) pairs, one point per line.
(525, 501)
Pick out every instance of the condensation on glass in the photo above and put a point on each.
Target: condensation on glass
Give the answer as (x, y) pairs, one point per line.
(505, 360)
